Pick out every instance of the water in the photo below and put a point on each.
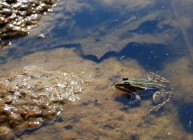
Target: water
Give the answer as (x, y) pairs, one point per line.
(108, 40)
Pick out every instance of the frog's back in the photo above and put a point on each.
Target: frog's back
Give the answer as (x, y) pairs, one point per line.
(146, 84)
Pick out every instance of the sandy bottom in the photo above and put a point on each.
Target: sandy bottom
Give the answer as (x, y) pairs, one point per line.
(102, 113)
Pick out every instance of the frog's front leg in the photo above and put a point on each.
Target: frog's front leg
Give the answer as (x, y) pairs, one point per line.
(160, 98)
(136, 99)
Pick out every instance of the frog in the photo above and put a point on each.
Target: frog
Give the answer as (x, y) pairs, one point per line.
(154, 85)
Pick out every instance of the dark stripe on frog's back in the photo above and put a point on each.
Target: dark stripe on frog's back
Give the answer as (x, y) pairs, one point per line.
(136, 89)
(128, 88)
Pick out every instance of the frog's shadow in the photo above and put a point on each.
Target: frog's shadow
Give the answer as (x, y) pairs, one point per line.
(127, 100)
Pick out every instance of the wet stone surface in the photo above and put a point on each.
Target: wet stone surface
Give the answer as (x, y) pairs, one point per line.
(17, 17)
(31, 96)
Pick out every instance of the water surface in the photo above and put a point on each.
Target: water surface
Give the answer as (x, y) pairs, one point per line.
(108, 40)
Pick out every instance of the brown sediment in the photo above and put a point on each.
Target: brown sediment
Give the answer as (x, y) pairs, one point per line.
(31, 96)
(17, 17)
(181, 79)
(101, 113)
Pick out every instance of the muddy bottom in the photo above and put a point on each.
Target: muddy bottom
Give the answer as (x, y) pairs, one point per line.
(102, 113)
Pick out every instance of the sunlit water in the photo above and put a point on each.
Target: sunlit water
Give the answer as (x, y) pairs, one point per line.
(108, 40)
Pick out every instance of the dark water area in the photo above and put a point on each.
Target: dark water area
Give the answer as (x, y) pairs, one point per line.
(186, 116)
(109, 39)
(110, 18)
(150, 27)
(150, 56)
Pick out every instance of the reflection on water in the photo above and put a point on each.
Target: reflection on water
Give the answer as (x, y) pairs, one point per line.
(110, 39)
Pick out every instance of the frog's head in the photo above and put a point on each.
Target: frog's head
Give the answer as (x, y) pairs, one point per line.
(129, 86)
(124, 85)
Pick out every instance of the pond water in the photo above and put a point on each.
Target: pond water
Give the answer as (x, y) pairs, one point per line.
(107, 40)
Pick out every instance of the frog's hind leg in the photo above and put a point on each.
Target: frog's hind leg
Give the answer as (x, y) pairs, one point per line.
(156, 78)
(161, 98)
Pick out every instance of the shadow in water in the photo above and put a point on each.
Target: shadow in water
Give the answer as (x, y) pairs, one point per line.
(129, 100)
(124, 99)
(186, 116)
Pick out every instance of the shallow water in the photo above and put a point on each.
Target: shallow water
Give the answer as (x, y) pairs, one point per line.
(108, 40)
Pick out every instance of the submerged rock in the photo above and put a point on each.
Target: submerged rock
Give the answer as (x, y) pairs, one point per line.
(31, 96)
(17, 17)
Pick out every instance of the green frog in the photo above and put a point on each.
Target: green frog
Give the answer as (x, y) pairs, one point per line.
(154, 85)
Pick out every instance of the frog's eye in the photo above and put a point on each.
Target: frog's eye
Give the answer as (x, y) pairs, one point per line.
(126, 84)
(125, 78)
